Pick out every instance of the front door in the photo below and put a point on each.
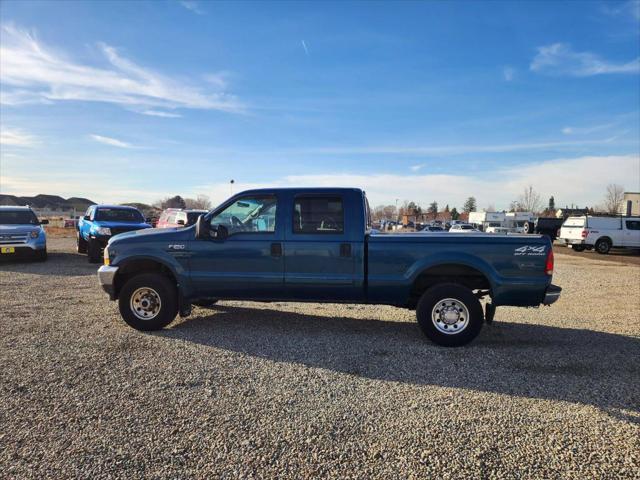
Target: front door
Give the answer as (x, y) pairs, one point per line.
(321, 260)
(248, 263)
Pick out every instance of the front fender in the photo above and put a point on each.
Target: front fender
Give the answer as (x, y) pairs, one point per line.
(167, 260)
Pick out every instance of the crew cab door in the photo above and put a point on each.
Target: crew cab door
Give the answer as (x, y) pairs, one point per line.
(248, 263)
(324, 246)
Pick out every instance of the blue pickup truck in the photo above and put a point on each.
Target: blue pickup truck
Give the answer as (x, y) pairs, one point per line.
(317, 245)
(100, 223)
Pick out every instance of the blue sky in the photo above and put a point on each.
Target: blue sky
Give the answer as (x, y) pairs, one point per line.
(423, 101)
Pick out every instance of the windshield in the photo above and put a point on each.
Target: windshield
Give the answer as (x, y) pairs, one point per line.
(118, 215)
(18, 217)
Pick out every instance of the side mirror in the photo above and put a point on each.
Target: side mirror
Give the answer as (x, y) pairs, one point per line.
(44, 222)
(202, 228)
(180, 222)
(219, 232)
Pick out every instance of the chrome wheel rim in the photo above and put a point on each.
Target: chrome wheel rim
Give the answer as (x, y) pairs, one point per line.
(145, 303)
(450, 316)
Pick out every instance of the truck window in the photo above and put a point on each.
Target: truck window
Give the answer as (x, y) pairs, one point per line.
(249, 214)
(318, 215)
(633, 224)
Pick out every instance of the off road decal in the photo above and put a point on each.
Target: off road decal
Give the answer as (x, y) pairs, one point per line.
(529, 251)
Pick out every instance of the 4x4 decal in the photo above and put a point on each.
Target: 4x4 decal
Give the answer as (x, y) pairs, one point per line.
(529, 250)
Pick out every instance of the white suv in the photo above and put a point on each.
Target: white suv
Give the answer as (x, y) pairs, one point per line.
(601, 233)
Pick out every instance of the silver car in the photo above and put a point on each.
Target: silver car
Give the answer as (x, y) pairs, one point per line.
(21, 234)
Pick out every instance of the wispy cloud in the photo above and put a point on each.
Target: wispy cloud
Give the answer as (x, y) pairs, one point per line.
(39, 73)
(445, 150)
(560, 59)
(587, 130)
(114, 142)
(193, 6)
(160, 113)
(629, 9)
(16, 137)
(304, 47)
(416, 168)
(508, 73)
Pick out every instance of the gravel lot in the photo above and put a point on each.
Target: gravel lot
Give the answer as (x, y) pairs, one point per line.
(296, 390)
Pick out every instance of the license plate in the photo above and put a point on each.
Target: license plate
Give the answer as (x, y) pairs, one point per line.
(7, 250)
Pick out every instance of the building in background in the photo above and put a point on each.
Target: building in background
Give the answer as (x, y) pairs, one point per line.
(630, 204)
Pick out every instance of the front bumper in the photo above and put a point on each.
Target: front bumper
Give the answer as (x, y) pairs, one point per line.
(101, 240)
(551, 295)
(106, 276)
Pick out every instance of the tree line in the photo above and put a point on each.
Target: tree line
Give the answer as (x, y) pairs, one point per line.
(529, 201)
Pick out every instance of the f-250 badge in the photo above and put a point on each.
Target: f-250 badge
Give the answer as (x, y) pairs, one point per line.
(529, 251)
(176, 246)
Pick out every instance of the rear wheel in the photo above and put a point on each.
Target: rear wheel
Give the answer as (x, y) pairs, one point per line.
(93, 251)
(148, 301)
(578, 248)
(603, 246)
(81, 243)
(450, 315)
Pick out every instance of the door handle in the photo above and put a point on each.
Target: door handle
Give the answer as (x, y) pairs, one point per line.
(276, 249)
(345, 249)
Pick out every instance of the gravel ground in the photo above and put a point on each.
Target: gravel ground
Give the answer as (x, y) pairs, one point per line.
(310, 390)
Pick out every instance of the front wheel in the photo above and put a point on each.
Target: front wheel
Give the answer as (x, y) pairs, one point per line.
(148, 301)
(81, 243)
(449, 315)
(41, 255)
(93, 251)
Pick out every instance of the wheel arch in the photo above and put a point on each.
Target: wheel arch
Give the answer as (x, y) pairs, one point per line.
(137, 265)
(449, 272)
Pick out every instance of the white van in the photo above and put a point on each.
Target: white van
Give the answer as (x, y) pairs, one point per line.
(601, 233)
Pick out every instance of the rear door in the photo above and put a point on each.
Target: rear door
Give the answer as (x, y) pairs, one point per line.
(632, 233)
(324, 246)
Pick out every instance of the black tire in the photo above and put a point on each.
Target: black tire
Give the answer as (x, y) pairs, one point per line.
(41, 255)
(81, 244)
(578, 248)
(528, 227)
(603, 246)
(168, 304)
(428, 303)
(93, 252)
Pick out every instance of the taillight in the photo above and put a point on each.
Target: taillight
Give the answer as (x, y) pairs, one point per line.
(584, 233)
(548, 268)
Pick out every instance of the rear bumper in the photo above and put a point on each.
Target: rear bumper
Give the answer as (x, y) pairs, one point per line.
(572, 241)
(106, 276)
(552, 294)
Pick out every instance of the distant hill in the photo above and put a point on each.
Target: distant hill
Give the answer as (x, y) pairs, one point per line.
(49, 202)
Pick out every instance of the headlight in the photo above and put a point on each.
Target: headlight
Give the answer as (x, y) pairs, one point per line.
(34, 234)
(103, 231)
